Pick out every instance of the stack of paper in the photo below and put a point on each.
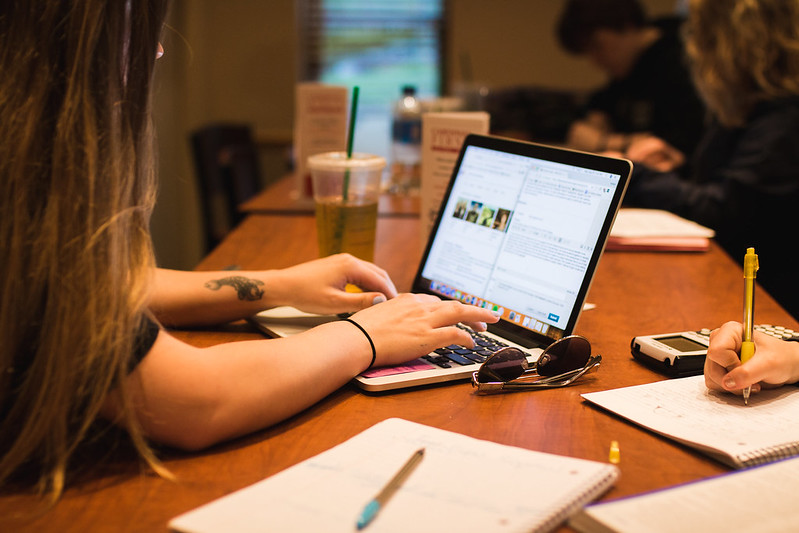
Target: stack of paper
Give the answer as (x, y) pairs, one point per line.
(657, 230)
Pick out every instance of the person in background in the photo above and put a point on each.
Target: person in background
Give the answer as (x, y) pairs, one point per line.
(744, 179)
(82, 303)
(649, 90)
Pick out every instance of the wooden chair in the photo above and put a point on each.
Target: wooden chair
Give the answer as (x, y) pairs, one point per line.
(228, 173)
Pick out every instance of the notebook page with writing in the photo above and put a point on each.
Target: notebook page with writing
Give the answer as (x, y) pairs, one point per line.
(768, 493)
(718, 424)
(462, 484)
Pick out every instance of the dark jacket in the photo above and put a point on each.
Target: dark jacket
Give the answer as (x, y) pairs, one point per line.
(743, 183)
(658, 94)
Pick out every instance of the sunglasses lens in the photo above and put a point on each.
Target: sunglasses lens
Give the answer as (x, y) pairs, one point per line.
(569, 353)
(504, 365)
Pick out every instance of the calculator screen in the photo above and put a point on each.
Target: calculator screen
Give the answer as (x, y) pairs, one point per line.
(681, 343)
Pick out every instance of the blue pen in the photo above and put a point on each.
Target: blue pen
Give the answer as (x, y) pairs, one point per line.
(377, 503)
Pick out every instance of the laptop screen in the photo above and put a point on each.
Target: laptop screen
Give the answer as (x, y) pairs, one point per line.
(519, 234)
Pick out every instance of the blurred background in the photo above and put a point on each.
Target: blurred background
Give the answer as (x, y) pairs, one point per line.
(238, 61)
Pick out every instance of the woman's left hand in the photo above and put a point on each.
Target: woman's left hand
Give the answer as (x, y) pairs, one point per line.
(321, 286)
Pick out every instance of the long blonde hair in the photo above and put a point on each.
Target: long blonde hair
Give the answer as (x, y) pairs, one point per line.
(77, 178)
(743, 52)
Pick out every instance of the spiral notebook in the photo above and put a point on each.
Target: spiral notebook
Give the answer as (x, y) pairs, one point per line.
(462, 484)
(717, 424)
(767, 494)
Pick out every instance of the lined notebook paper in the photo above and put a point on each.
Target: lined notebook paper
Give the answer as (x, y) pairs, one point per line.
(718, 424)
(766, 499)
(462, 484)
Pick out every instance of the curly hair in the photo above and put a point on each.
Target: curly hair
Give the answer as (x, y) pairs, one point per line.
(743, 52)
(77, 189)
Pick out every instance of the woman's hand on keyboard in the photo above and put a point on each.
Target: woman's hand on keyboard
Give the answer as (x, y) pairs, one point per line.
(413, 325)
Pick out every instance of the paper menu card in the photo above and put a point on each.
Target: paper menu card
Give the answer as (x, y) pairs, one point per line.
(462, 484)
(715, 423)
(442, 137)
(656, 229)
(767, 497)
(320, 125)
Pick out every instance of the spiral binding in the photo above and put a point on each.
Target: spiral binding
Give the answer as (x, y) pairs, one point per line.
(769, 454)
(602, 483)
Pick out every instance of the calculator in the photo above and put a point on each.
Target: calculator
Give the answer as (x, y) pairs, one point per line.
(683, 353)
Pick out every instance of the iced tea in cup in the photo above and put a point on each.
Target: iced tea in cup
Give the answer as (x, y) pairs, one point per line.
(346, 191)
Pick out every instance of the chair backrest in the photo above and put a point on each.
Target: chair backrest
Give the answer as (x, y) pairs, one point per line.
(226, 162)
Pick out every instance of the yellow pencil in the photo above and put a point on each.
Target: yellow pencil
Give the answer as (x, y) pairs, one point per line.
(748, 346)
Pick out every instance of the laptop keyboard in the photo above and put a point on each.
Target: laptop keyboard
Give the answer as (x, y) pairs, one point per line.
(460, 355)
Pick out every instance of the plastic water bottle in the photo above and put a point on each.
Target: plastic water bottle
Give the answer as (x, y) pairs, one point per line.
(406, 143)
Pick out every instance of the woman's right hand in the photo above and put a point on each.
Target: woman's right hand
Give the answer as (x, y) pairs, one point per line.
(775, 363)
(655, 153)
(412, 325)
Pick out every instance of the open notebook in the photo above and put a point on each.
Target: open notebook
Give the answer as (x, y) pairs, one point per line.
(766, 503)
(520, 230)
(715, 423)
(461, 484)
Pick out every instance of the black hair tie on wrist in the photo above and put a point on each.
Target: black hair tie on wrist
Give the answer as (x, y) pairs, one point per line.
(372, 344)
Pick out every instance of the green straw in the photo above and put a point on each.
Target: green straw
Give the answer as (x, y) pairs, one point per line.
(353, 112)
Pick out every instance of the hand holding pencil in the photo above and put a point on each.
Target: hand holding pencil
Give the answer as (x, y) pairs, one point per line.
(777, 361)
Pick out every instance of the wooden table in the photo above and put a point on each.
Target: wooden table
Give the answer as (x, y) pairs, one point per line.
(634, 293)
(281, 198)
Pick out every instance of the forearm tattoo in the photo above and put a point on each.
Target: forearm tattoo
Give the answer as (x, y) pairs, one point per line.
(246, 288)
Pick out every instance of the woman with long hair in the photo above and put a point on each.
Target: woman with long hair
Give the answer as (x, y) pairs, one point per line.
(82, 302)
(744, 179)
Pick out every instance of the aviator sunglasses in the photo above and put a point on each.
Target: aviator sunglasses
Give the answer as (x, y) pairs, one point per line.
(563, 362)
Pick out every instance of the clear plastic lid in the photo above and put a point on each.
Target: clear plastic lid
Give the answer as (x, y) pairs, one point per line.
(339, 161)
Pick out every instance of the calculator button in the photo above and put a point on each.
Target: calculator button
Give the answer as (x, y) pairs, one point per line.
(780, 332)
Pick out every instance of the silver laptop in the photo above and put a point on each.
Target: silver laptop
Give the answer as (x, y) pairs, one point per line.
(520, 230)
